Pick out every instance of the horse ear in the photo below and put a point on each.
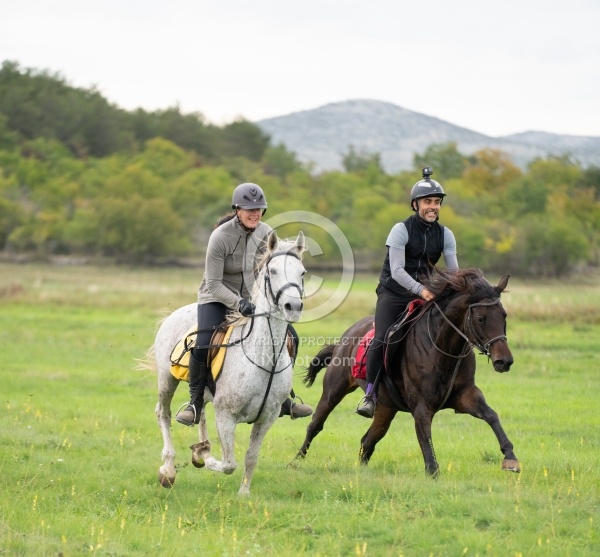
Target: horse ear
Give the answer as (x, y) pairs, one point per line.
(272, 240)
(502, 284)
(300, 243)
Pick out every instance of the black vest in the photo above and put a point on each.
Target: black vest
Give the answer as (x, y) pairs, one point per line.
(423, 250)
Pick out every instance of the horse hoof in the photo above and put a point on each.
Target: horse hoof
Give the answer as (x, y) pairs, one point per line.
(197, 461)
(202, 446)
(197, 450)
(511, 465)
(165, 481)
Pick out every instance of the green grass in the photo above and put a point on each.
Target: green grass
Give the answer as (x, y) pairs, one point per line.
(80, 448)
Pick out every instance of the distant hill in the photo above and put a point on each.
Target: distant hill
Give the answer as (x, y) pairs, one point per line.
(323, 135)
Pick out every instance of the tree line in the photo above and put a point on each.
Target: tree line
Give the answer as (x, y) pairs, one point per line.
(79, 176)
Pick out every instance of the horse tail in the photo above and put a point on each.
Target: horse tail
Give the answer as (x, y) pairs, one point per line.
(148, 363)
(321, 360)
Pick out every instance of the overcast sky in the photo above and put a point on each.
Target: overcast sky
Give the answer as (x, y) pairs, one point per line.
(493, 67)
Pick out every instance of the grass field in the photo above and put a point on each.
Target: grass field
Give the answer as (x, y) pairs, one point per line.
(80, 448)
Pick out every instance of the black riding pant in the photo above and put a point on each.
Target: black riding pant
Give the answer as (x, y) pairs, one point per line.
(387, 311)
(210, 316)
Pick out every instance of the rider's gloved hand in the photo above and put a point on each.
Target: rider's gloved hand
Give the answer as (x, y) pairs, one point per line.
(246, 308)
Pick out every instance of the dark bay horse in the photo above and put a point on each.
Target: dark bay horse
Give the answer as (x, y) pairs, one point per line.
(430, 364)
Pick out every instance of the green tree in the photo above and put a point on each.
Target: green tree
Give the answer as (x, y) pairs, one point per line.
(445, 159)
(525, 196)
(11, 217)
(165, 159)
(200, 196)
(151, 229)
(551, 247)
(244, 139)
(491, 172)
(8, 138)
(280, 162)
(356, 161)
(42, 104)
(590, 178)
(189, 131)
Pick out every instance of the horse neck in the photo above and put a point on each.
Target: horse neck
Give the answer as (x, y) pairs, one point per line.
(266, 340)
(267, 330)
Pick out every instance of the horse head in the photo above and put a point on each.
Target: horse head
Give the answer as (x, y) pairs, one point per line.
(466, 295)
(486, 328)
(280, 284)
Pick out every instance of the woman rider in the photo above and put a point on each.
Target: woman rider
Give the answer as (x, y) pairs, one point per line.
(234, 247)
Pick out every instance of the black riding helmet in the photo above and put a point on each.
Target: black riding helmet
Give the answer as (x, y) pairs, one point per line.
(426, 188)
(248, 196)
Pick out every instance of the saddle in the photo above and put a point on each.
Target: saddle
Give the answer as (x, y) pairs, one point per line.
(180, 356)
(359, 368)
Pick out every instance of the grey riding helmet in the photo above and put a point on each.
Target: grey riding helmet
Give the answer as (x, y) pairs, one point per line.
(248, 196)
(426, 188)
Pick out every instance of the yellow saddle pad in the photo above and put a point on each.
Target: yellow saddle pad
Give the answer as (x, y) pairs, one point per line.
(180, 356)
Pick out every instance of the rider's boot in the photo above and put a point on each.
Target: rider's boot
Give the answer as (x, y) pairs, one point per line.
(367, 404)
(294, 409)
(198, 376)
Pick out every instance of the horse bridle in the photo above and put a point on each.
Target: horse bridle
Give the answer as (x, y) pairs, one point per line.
(275, 297)
(483, 347)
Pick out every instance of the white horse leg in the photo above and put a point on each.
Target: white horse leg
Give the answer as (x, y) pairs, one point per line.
(201, 450)
(256, 438)
(226, 430)
(167, 472)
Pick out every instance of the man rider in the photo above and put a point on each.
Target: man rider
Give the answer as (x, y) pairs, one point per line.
(414, 246)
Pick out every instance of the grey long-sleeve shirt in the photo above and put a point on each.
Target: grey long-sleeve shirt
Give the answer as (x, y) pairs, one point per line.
(231, 258)
(397, 239)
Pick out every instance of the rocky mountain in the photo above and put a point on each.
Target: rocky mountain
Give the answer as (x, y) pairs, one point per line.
(323, 135)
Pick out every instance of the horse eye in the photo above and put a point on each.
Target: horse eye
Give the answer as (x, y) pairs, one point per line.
(272, 271)
(481, 319)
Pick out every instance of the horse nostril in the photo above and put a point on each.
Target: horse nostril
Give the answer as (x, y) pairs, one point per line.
(502, 365)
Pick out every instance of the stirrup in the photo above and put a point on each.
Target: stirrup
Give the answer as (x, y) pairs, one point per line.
(195, 421)
(366, 406)
(301, 410)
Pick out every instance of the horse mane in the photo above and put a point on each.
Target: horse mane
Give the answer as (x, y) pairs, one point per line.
(445, 284)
